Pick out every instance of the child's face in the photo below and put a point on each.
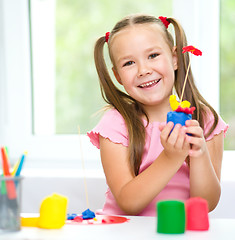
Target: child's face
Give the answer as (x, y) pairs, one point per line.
(144, 63)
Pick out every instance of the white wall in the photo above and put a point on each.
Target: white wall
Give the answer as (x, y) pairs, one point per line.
(35, 189)
(68, 183)
(38, 184)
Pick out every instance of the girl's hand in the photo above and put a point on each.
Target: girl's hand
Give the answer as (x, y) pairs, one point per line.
(174, 141)
(197, 140)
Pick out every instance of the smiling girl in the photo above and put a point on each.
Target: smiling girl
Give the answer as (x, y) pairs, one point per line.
(144, 159)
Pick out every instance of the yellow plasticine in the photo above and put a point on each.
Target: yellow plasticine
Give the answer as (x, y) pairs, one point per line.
(185, 104)
(29, 221)
(173, 102)
(53, 212)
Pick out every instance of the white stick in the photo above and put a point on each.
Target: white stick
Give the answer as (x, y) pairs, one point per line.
(185, 80)
(83, 166)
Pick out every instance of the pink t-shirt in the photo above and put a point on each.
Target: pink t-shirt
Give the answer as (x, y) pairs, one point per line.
(112, 126)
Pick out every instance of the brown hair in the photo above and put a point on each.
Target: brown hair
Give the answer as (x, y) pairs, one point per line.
(129, 108)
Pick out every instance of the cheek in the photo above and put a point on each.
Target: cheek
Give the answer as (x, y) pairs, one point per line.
(128, 83)
(127, 76)
(169, 73)
(171, 68)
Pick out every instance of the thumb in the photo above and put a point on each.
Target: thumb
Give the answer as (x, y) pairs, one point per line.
(162, 125)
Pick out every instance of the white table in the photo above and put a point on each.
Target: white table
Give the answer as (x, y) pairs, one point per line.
(143, 228)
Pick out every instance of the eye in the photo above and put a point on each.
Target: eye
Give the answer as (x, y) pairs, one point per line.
(128, 63)
(154, 55)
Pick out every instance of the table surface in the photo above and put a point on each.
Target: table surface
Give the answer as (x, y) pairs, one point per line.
(136, 228)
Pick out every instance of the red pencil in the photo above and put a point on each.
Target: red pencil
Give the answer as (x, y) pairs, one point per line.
(11, 190)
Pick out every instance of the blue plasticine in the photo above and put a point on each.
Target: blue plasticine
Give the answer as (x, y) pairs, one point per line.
(71, 216)
(88, 214)
(178, 117)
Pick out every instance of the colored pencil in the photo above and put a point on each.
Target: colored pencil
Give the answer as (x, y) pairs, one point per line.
(11, 190)
(18, 171)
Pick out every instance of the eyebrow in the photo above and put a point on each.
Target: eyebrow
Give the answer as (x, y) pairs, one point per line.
(125, 58)
(154, 48)
(150, 49)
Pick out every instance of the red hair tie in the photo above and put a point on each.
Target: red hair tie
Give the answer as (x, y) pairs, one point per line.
(164, 21)
(107, 36)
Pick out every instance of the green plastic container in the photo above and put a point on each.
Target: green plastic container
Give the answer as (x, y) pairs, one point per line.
(170, 217)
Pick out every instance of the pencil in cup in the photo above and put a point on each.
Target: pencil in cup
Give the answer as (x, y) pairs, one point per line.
(10, 208)
(11, 191)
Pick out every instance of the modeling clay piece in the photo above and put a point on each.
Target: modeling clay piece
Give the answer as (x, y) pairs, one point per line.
(29, 221)
(71, 216)
(181, 111)
(170, 217)
(88, 214)
(78, 219)
(175, 104)
(53, 212)
(197, 214)
(98, 220)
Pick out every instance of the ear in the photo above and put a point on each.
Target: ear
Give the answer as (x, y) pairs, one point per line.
(175, 58)
(116, 75)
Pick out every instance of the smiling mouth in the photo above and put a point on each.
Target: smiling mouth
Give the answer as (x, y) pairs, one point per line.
(149, 84)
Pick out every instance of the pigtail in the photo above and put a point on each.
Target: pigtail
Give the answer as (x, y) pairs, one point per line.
(101, 68)
(127, 107)
(191, 93)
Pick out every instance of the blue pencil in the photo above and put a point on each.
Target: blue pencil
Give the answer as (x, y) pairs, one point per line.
(18, 171)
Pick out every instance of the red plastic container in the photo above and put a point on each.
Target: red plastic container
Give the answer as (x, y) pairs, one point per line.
(197, 218)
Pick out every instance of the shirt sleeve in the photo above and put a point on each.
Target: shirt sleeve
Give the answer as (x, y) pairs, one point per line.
(221, 126)
(111, 126)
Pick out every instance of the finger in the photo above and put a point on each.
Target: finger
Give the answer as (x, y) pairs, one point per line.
(186, 146)
(195, 131)
(166, 131)
(190, 123)
(195, 153)
(195, 141)
(181, 138)
(162, 125)
(174, 134)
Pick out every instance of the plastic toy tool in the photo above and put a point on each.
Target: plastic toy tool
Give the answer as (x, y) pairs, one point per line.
(181, 111)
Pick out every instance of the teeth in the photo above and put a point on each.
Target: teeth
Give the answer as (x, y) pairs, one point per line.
(149, 83)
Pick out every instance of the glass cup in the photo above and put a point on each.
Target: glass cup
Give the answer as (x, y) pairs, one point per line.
(10, 203)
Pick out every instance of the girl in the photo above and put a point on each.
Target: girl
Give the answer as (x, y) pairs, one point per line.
(144, 161)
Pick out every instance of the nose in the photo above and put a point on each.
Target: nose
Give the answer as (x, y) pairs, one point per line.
(144, 69)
